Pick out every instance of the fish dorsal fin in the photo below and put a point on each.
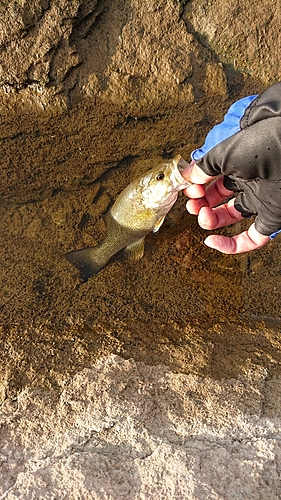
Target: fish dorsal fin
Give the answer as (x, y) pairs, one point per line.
(136, 250)
(109, 220)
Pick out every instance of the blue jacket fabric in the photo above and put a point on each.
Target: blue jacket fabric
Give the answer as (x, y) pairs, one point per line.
(225, 129)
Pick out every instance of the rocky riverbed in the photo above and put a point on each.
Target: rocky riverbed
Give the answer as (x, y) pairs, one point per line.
(158, 378)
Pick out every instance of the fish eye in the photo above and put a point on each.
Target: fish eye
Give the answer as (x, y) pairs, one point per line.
(160, 176)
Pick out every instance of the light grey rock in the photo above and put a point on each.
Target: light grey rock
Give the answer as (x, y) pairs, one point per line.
(124, 430)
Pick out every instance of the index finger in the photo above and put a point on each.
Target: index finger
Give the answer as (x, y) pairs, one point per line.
(216, 192)
(211, 196)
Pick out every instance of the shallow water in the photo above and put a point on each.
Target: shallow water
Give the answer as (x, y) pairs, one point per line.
(182, 305)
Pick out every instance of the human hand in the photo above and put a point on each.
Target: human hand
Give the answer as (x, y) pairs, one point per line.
(243, 155)
(213, 214)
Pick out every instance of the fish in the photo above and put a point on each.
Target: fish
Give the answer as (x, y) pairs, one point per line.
(138, 210)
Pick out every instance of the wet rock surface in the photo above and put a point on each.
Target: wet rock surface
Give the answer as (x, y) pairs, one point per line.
(156, 378)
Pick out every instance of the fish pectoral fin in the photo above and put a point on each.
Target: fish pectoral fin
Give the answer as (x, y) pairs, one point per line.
(136, 250)
(158, 224)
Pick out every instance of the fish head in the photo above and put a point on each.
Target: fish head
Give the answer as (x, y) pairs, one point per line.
(160, 186)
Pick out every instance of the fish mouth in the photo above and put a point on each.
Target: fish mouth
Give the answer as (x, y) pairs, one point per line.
(179, 166)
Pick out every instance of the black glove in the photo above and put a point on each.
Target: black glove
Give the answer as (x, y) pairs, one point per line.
(246, 149)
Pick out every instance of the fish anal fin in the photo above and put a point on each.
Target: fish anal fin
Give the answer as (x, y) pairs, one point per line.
(135, 251)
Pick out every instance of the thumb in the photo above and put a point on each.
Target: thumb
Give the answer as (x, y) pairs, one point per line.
(194, 174)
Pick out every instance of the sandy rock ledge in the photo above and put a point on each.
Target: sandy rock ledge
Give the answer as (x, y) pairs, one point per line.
(124, 430)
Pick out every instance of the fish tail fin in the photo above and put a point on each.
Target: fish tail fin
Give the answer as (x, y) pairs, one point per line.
(86, 261)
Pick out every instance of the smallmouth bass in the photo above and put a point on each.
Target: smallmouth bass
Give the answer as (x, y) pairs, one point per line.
(139, 209)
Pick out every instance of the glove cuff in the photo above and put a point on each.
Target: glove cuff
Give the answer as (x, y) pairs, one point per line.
(224, 130)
